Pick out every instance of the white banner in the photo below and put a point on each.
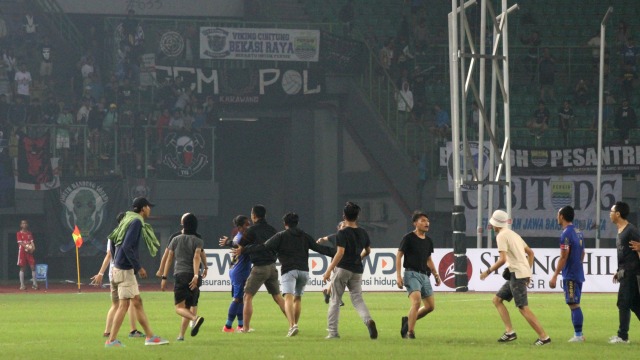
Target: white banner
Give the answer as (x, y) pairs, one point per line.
(148, 70)
(259, 44)
(380, 270)
(536, 200)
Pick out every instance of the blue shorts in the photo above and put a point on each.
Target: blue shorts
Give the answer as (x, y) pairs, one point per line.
(238, 280)
(572, 291)
(294, 281)
(415, 281)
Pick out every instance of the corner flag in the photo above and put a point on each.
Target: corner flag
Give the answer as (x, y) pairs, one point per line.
(77, 237)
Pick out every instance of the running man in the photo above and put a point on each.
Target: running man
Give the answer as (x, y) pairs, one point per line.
(416, 248)
(352, 246)
(186, 249)
(514, 251)
(292, 246)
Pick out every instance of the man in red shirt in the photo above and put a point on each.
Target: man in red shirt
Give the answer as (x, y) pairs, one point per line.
(26, 248)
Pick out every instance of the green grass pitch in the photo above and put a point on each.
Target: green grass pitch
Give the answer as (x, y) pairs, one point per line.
(39, 325)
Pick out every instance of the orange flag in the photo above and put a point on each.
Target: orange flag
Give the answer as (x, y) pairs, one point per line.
(77, 237)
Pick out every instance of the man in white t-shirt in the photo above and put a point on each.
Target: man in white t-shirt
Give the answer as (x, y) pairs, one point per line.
(23, 82)
(519, 257)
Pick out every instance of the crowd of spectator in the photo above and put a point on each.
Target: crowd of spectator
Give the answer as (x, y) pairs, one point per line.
(92, 114)
(408, 57)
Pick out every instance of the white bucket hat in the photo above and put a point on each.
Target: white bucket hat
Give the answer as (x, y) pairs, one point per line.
(499, 219)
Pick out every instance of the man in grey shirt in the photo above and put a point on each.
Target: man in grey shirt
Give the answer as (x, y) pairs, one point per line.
(186, 249)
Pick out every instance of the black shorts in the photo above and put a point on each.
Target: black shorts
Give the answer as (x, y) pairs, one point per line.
(181, 291)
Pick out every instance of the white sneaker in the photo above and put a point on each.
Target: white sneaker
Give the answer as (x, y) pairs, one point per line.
(576, 339)
(617, 340)
(293, 331)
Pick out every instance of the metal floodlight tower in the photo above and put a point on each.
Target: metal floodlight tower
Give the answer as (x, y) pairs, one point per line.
(462, 80)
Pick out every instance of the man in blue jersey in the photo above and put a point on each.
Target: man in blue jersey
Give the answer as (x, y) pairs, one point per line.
(570, 264)
(238, 274)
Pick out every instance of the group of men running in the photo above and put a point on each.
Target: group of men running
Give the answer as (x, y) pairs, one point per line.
(257, 245)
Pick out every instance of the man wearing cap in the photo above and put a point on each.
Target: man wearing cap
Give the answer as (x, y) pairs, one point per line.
(126, 240)
(416, 248)
(514, 251)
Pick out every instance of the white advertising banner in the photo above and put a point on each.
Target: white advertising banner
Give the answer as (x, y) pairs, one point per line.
(380, 270)
(259, 44)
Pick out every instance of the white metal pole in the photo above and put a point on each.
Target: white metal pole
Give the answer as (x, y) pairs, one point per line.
(483, 33)
(507, 100)
(454, 50)
(600, 105)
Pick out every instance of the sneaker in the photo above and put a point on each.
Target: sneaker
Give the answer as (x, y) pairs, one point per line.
(226, 329)
(373, 331)
(541, 342)
(114, 343)
(327, 296)
(293, 331)
(22, 287)
(136, 334)
(508, 337)
(196, 326)
(34, 286)
(618, 340)
(106, 334)
(191, 324)
(332, 337)
(410, 335)
(180, 338)
(156, 340)
(577, 339)
(404, 327)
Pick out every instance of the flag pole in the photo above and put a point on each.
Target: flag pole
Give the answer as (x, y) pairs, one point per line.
(77, 241)
(78, 267)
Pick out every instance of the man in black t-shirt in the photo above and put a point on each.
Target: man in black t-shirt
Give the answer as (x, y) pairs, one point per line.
(331, 239)
(264, 270)
(352, 245)
(292, 248)
(416, 248)
(628, 272)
